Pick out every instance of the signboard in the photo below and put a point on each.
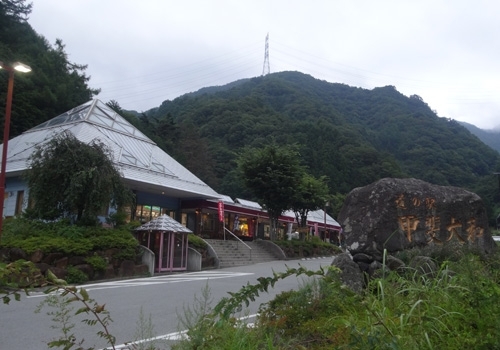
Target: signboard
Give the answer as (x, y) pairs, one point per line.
(221, 211)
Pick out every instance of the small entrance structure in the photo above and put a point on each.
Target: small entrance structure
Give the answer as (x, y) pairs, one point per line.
(168, 240)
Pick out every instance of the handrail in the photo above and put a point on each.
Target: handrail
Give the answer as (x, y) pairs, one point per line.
(246, 245)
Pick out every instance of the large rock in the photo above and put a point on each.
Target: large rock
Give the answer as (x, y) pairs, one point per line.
(350, 274)
(397, 214)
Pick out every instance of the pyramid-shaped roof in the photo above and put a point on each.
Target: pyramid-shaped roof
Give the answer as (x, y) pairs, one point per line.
(144, 166)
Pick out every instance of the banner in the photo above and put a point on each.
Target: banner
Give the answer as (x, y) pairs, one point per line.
(221, 211)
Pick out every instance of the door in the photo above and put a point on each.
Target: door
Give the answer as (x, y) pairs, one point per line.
(173, 252)
(170, 249)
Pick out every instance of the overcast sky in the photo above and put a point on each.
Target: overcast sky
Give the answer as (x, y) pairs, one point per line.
(141, 53)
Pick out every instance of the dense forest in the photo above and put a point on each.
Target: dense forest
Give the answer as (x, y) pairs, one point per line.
(55, 85)
(490, 137)
(353, 136)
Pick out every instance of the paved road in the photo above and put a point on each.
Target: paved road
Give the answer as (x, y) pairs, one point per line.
(160, 298)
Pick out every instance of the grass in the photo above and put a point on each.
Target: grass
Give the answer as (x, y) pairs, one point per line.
(455, 307)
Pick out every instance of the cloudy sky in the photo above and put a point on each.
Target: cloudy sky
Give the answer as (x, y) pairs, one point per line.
(141, 53)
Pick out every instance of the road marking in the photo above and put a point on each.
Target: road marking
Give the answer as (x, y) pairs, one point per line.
(171, 336)
(155, 280)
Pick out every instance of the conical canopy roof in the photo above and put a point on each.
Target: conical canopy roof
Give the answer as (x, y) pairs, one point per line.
(163, 223)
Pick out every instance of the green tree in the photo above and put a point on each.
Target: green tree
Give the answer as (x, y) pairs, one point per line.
(335, 203)
(16, 9)
(115, 106)
(69, 178)
(311, 194)
(55, 84)
(273, 173)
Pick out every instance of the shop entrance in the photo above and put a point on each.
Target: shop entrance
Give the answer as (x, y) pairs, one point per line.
(173, 252)
(168, 240)
(170, 249)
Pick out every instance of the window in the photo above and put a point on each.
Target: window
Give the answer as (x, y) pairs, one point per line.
(208, 222)
(19, 203)
(145, 213)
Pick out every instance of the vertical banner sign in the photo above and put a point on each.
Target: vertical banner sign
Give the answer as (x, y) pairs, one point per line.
(221, 211)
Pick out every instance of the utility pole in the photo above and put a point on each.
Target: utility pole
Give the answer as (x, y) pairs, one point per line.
(497, 221)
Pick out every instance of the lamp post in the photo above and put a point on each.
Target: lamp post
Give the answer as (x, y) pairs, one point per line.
(8, 107)
(497, 220)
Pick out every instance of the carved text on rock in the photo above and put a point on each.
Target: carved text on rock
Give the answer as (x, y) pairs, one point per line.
(409, 222)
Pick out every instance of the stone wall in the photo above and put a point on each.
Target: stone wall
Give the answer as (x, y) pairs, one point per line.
(58, 263)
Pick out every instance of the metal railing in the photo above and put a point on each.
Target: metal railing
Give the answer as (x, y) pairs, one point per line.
(240, 241)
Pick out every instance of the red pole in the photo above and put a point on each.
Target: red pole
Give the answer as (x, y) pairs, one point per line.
(6, 131)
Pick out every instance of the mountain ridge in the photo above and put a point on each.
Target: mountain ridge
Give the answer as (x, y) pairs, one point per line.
(352, 135)
(490, 137)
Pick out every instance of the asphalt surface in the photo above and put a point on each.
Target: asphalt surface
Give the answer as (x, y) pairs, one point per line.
(160, 301)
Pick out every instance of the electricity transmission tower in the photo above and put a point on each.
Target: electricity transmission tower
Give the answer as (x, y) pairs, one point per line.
(265, 68)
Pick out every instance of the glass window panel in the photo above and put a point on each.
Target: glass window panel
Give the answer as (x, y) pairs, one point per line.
(155, 212)
(138, 213)
(99, 120)
(127, 128)
(19, 202)
(158, 167)
(126, 158)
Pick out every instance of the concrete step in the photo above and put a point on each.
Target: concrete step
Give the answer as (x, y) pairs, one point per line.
(234, 253)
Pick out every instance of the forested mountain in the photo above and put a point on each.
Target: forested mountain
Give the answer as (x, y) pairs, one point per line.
(55, 84)
(488, 137)
(352, 135)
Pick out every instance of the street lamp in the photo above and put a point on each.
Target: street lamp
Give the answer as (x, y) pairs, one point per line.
(18, 66)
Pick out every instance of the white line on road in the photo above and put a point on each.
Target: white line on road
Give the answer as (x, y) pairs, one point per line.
(171, 336)
(156, 280)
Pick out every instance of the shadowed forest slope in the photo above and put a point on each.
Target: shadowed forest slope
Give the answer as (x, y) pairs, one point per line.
(352, 135)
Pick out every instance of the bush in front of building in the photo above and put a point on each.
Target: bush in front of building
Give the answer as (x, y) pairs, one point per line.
(61, 237)
(97, 262)
(75, 276)
(96, 251)
(313, 247)
(196, 242)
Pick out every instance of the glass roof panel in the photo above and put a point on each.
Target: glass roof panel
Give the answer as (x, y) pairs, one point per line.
(100, 120)
(77, 113)
(127, 159)
(161, 168)
(129, 129)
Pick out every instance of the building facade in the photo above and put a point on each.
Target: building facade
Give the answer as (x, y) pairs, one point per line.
(161, 185)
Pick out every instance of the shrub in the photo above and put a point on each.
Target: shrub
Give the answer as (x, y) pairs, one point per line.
(127, 253)
(75, 276)
(196, 242)
(61, 237)
(314, 247)
(97, 262)
(455, 307)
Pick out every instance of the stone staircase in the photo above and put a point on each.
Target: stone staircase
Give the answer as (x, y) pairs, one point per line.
(234, 253)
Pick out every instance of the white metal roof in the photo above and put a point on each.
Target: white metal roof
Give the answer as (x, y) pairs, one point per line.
(315, 216)
(248, 203)
(144, 166)
(225, 198)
